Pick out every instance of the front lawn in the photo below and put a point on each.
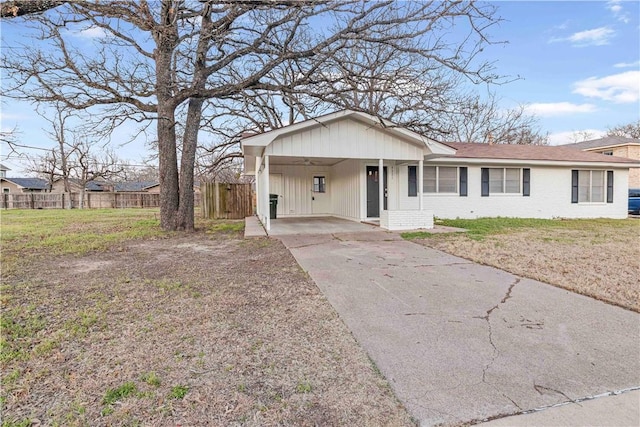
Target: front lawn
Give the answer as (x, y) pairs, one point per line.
(599, 258)
(106, 320)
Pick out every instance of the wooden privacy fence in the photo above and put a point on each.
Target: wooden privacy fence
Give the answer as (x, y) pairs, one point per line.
(95, 200)
(226, 201)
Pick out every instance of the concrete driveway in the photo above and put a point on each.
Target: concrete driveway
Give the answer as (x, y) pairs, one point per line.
(460, 342)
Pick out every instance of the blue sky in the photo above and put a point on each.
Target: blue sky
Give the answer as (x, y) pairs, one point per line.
(578, 65)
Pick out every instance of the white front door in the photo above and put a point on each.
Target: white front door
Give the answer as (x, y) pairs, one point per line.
(320, 193)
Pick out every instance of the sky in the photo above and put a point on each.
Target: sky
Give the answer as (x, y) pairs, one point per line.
(575, 65)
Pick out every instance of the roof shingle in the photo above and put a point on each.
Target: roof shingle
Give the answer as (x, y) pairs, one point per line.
(531, 152)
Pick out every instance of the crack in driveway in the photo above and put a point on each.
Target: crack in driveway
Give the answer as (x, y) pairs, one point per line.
(487, 318)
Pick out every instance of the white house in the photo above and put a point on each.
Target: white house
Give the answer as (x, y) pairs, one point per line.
(332, 166)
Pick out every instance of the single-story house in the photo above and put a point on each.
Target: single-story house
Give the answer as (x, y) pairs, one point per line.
(75, 185)
(137, 186)
(618, 146)
(23, 185)
(356, 166)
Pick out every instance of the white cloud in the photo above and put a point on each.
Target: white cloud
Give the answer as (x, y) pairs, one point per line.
(595, 37)
(616, 8)
(620, 88)
(570, 136)
(557, 108)
(92, 33)
(627, 64)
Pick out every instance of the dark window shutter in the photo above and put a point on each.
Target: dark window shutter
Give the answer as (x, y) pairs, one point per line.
(485, 182)
(526, 182)
(609, 186)
(463, 181)
(413, 181)
(574, 186)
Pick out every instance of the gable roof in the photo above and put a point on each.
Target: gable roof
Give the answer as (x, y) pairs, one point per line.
(607, 141)
(255, 143)
(29, 183)
(548, 153)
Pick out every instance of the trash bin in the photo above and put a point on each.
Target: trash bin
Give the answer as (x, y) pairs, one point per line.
(273, 206)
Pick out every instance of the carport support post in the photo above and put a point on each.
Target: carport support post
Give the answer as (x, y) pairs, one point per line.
(381, 186)
(420, 183)
(258, 187)
(266, 191)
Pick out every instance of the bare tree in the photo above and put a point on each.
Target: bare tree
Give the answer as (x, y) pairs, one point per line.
(13, 8)
(77, 156)
(158, 59)
(474, 119)
(629, 130)
(580, 136)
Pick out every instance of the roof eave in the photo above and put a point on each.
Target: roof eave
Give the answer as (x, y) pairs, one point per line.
(532, 162)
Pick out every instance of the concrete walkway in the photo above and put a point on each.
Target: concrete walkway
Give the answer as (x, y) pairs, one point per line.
(463, 343)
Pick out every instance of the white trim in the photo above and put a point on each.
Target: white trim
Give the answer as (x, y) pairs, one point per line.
(421, 183)
(266, 172)
(381, 184)
(489, 162)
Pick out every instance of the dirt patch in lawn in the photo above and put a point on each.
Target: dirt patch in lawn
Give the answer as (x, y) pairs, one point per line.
(197, 329)
(600, 261)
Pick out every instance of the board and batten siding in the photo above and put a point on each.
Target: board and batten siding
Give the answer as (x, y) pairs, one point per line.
(550, 197)
(345, 139)
(293, 184)
(345, 190)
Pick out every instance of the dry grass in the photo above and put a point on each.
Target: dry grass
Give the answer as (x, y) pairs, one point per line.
(196, 329)
(598, 258)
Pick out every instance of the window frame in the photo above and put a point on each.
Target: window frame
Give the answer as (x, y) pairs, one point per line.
(412, 181)
(489, 190)
(320, 184)
(438, 182)
(606, 187)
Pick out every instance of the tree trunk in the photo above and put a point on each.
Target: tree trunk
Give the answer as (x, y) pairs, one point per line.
(166, 38)
(185, 219)
(168, 165)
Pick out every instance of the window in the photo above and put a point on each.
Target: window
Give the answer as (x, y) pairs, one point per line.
(5, 190)
(413, 181)
(319, 184)
(588, 186)
(608, 153)
(500, 180)
(440, 179)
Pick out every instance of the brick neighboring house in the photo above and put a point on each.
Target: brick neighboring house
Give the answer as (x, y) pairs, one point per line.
(615, 146)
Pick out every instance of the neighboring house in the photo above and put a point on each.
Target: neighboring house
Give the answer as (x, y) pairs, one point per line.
(332, 165)
(3, 171)
(23, 185)
(618, 146)
(137, 186)
(75, 185)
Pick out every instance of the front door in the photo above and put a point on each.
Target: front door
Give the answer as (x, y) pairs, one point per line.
(373, 191)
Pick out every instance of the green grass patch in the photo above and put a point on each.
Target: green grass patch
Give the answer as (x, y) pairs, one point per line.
(17, 423)
(304, 387)
(178, 392)
(225, 226)
(151, 378)
(115, 394)
(480, 228)
(19, 327)
(77, 231)
(416, 235)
